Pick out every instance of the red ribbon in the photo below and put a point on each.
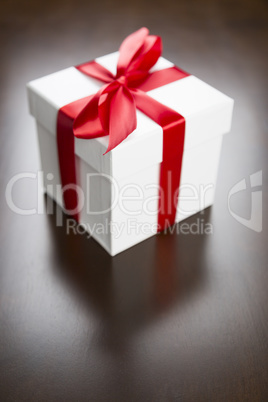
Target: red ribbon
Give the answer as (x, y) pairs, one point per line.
(112, 111)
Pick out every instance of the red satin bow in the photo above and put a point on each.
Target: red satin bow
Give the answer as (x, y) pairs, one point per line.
(112, 111)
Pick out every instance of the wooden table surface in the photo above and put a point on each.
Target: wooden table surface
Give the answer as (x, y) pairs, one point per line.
(178, 317)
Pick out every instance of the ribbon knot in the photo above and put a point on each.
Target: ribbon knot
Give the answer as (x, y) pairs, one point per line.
(122, 80)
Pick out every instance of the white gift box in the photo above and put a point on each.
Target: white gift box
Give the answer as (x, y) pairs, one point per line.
(121, 188)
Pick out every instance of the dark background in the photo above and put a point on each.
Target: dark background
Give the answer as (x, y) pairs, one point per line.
(178, 317)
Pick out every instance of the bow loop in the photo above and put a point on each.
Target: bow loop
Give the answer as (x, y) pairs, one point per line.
(147, 56)
(137, 54)
(128, 49)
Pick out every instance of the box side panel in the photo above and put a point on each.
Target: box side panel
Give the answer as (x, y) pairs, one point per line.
(198, 178)
(134, 216)
(96, 212)
(122, 213)
(49, 162)
(208, 124)
(95, 189)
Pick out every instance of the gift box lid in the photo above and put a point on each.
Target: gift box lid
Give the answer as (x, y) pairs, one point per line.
(207, 112)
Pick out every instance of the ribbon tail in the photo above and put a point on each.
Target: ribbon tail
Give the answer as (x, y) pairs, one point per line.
(87, 124)
(118, 115)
